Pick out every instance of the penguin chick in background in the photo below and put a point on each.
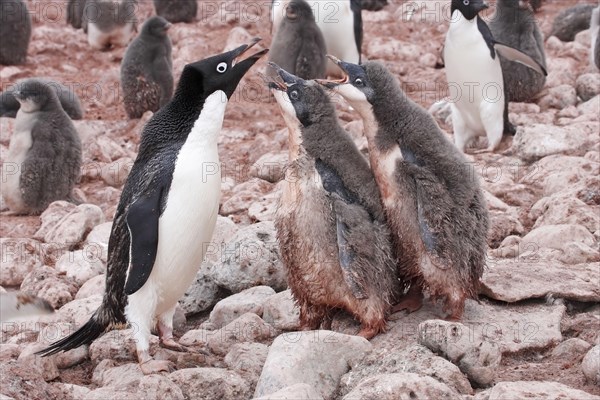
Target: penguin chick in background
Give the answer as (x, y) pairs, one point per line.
(19, 306)
(9, 106)
(167, 211)
(474, 75)
(109, 23)
(571, 21)
(514, 24)
(75, 9)
(147, 69)
(340, 22)
(299, 46)
(330, 222)
(176, 10)
(432, 199)
(44, 155)
(15, 32)
(595, 43)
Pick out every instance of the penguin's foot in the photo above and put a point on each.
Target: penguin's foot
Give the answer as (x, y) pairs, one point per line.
(171, 344)
(368, 332)
(483, 151)
(148, 365)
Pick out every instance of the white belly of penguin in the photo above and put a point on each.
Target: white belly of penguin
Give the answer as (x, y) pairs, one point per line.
(474, 78)
(187, 224)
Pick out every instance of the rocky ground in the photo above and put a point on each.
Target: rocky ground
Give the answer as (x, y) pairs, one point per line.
(534, 333)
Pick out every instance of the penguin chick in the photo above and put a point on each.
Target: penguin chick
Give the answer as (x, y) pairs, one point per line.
(330, 222)
(44, 155)
(474, 74)
(167, 211)
(147, 69)
(340, 22)
(17, 306)
(298, 46)
(109, 23)
(514, 24)
(595, 43)
(75, 9)
(68, 99)
(571, 21)
(176, 10)
(434, 205)
(15, 31)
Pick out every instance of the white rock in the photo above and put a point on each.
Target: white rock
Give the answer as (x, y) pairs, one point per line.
(79, 311)
(536, 390)
(251, 258)
(225, 231)
(18, 257)
(69, 229)
(588, 86)
(68, 359)
(93, 287)
(590, 107)
(401, 386)
(270, 166)
(559, 97)
(211, 384)
(118, 345)
(247, 328)
(22, 380)
(299, 391)
(249, 300)
(158, 387)
(571, 349)
(108, 374)
(281, 311)
(115, 173)
(247, 359)
(79, 266)
(96, 243)
(46, 364)
(70, 391)
(575, 243)
(265, 207)
(322, 356)
(560, 210)
(50, 285)
(591, 365)
(202, 294)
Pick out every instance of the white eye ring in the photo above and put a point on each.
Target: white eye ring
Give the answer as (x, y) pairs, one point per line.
(358, 81)
(466, 2)
(222, 67)
(294, 95)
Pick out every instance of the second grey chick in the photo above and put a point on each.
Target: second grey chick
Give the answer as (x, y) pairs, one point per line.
(109, 23)
(147, 69)
(9, 105)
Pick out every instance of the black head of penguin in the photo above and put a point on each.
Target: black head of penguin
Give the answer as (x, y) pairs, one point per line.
(468, 8)
(221, 72)
(155, 27)
(35, 95)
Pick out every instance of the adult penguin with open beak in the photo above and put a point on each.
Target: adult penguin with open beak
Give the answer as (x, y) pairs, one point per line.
(168, 209)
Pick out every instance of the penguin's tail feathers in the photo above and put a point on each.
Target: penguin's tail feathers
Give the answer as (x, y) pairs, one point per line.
(84, 335)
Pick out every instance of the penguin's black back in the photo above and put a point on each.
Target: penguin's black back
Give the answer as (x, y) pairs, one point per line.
(15, 31)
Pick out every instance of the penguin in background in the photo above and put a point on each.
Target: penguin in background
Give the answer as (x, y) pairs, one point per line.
(299, 46)
(75, 9)
(569, 22)
(109, 23)
(340, 22)
(434, 205)
(330, 221)
(19, 306)
(147, 69)
(373, 5)
(176, 10)
(168, 208)
(475, 78)
(15, 31)
(595, 43)
(9, 105)
(45, 150)
(514, 24)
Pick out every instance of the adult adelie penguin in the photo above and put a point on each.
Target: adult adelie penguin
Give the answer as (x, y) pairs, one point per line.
(514, 24)
(147, 69)
(44, 151)
(109, 23)
(168, 208)
(15, 31)
(340, 22)
(176, 10)
(298, 46)
(330, 221)
(434, 205)
(474, 75)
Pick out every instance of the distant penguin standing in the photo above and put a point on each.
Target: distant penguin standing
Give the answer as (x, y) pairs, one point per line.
(340, 22)
(15, 31)
(75, 9)
(474, 75)
(595, 31)
(9, 106)
(109, 23)
(434, 205)
(147, 69)
(45, 151)
(167, 211)
(571, 21)
(514, 24)
(330, 221)
(298, 46)
(176, 10)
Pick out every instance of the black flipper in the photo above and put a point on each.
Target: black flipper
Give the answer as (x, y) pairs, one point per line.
(485, 31)
(142, 221)
(347, 257)
(333, 184)
(356, 7)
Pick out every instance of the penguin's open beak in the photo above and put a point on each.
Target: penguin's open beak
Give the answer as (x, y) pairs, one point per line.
(480, 5)
(344, 66)
(167, 26)
(240, 52)
(286, 79)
